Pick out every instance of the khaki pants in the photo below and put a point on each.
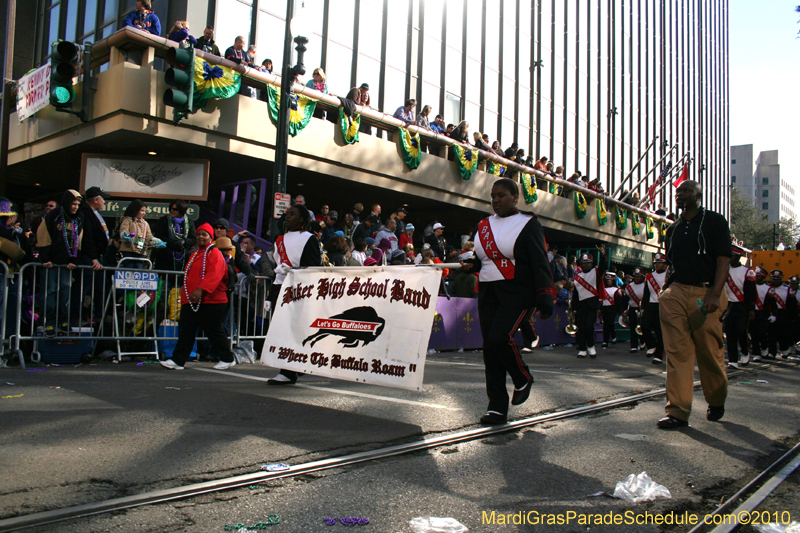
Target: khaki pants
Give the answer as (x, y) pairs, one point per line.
(688, 336)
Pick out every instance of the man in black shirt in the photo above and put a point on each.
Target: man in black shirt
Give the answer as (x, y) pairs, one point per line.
(698, 247)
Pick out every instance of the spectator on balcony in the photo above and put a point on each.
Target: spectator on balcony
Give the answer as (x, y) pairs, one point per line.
(323, 213)
(511, 151)
(359, 252)
(178, 232)
(407, 237)
(357, 210)
(479, 143)
(400, 215)
(461, 132)
(438, 125)
(180, 34)
(449, 129)
(143, 18)
(206, 43)
(266, 66)
(406, 112)
(238, 55)
(520, 157)
(541, 165)
(364, 230)
(358, 96)
(496, 149)
(388, 233)
(422, 118)
(575, 178)
(318, 83)
(529, 161)
(437, 241)
(330, 228)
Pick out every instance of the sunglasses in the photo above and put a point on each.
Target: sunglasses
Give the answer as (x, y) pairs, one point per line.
(219, 227)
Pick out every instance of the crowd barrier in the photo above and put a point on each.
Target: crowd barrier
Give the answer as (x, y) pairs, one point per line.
(63, 315)
(4, 311)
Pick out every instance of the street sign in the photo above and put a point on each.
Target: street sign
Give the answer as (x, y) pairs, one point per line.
(155, 210)
(282, 203)
(140, 280)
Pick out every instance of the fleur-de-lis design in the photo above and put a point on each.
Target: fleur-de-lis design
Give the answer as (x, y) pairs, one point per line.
(468, 320)
(557, 320)
(437, 322)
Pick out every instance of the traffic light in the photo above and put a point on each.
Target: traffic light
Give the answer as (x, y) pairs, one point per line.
(63, 63)
(180, 76)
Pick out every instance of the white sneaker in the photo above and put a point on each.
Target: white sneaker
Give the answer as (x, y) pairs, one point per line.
(764, 352)
(592, 351)
(172, 365)
(535, 343)
(651, 351)
(582, 354)
(656, 360)
(756, 358)
(281, 379)
(526, 350)
(744, 359)
(222, 365)
(733, 365)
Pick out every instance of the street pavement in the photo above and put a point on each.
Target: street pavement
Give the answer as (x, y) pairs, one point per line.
(74, 435)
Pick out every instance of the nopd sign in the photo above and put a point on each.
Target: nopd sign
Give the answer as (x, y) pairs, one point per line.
(140, 280)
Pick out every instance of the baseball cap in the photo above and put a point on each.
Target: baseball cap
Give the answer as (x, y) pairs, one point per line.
(401, 210)
(437, 226)
(94, 192)
(333, 215)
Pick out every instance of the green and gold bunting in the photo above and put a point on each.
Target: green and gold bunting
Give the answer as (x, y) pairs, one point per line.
(301, 109)
(556, 188)
(649, 226)
(496, 168)
(349, 127)
(635, 223)
(213, 81)
(529, 188)
(467, 160)
(409, 146)
(662, 232)
(580, 204)
(621, 216)
(602, 213)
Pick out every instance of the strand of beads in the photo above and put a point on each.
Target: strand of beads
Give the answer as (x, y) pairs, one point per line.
(72, 249)
(202, 275)
(351, 521)
(272, 520)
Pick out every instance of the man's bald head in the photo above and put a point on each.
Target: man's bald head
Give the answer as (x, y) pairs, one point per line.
(698, 189)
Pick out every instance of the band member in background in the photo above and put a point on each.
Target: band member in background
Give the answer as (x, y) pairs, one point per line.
(634, 292)
(777, 306)
(741, 289)
(298, 247)
(610, 304)
(511, 256)
(759, 325)
(586, 300)
(651, 322)
(793, 314)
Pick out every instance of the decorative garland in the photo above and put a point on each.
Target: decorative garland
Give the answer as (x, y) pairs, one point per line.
(202, 275)
(580, 204)
(301, 109)
(349, 127)
(650, 227)
(635, 223)
(72, 250)
(467, 160)
(409, 146)
(621, 216)
(529, 188)
(496, 168)
(602, 213)
(662, 232)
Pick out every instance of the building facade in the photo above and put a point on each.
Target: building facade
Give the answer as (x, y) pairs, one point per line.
(758, 177)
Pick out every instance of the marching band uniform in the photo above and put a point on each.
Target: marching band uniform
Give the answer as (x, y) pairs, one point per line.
(651, 321)
(777, 307)
(741, 289)
(793, 313)
(586, 302)
(515, 276)
(759, 325)
(635, 294)
(610, 303)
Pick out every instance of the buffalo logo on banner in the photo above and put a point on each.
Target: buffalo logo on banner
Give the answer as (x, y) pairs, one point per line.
(359, 324)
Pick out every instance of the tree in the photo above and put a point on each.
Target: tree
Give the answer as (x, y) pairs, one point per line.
(755, 231)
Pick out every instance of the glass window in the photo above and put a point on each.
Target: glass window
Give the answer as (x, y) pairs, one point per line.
(524, 139)
(233, 20)
(492, 35)
(110, 11)
(472, 90)
(454, 19)
(340, 66)
(491, 90)
(474, 28)
(89, 16)
(432, 62)
(583, 145)
(369, 71)
(433, 18)
(340, 22)
(452, 74)
(508, 98)
(764, 181)
(430, 96)
(312, 58)
(473, 116)
(510, 46)
(55, 13)
(765, 206)
(490, 126)
(452, 110)
(524, 111)
(508, 133)
(765, 194)
(394, 92)
(270, 38)
(558, 124)
(396, 39)
(370, 28)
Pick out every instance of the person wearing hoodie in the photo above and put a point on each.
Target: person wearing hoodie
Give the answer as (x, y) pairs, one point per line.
(204, 301)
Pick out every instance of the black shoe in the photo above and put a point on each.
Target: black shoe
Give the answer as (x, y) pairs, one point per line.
(656, 360)
(493, 419)
(670, 422)
(715, 413)
(634, 350)
(605, 345)
(520, 396)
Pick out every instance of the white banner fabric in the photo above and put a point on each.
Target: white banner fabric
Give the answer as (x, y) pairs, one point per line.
(365, 324)
(33, 92)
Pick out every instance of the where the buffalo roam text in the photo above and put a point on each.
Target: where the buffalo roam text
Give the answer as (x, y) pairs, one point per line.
(318, 359)
(336, 288)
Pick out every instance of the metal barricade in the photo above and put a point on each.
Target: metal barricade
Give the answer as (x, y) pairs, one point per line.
(7, 280)
(72, 309)
(252, 311)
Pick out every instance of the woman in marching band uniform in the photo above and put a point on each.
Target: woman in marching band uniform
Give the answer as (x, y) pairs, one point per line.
(586, 300)
(515, 276)
(651, 318)
(297, 247)
(611, 301)
(634, 292)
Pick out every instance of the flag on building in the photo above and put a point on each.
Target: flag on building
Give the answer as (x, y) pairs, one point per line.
(580, 204)
(635, 223)
(349, 127)
(213, 81)
(602, 213)
(467, 160)
(684, 175)
(301, 109)
(409, 146)
(651, 192)
(529, 188)
(621, 216)
(650, 227)
(496, 168)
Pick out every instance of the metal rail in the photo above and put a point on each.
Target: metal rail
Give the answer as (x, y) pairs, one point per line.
(197, 489)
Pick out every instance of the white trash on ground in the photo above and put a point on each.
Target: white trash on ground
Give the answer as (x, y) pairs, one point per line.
(640, 488)
(433, 524)
(792, 527)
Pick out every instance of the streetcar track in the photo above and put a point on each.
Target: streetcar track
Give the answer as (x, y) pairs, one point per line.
(197, 489)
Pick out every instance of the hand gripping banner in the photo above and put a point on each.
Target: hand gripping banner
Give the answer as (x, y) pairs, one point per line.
(370, 325)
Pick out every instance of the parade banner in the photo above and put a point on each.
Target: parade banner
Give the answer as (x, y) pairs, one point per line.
(349, 127)
(529, 188)
(370, 325)
(33, 92)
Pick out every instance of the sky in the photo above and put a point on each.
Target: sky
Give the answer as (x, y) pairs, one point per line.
(765, 80)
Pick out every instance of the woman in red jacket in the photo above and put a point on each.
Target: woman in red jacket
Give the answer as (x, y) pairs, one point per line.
(204, 301)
